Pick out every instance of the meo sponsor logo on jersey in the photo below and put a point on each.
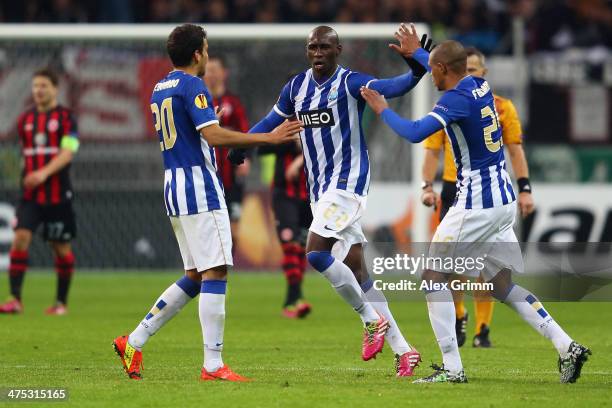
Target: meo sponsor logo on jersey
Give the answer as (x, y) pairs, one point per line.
(317, 118)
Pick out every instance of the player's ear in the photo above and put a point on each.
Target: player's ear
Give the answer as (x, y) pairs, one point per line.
(338, 49)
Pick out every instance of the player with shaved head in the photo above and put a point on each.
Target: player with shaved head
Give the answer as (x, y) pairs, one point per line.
(326, 99)
(480, 222)
(512, 137)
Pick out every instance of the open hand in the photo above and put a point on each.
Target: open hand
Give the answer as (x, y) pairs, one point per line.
(376, 101)
(288, 131)
(408, 40)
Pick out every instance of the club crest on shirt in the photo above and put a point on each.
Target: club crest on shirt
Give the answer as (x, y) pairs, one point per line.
(28, 127)
(53, 125)
(40, 139)
(333, 94)
(200, 101)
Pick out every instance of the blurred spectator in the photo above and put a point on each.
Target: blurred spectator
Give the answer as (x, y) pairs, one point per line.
(115, 11)
(67, 11)
(551, 24)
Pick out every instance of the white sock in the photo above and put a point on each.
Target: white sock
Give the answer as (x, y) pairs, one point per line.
(165, 308)
(212, 319)
(532, 311)
(442, 316)
(394, 336)
(344, 282)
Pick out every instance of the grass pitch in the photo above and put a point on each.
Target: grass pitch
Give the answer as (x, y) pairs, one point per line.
(313, 362)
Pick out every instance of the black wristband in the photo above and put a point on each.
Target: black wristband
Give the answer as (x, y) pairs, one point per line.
(523, 185)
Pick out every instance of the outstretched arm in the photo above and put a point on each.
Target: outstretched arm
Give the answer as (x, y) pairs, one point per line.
(268, 123)
(415, 131)
(402, 84)
(272, 120)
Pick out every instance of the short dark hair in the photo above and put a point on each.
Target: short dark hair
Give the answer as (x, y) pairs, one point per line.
(183, 41)
(48, 73)
(219, 58)
(475, 51)
(452, 54)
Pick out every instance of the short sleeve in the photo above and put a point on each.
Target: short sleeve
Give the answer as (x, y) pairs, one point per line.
(356, 80)
(512, 133)
(285, 106)
(451, 107)
(69, 124)
(435, 141)
(199, 105)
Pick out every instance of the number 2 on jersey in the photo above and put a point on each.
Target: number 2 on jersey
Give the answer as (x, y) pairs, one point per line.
(165, 116)
(489, 130)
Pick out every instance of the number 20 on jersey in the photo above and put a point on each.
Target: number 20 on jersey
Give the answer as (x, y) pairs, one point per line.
(164, 121)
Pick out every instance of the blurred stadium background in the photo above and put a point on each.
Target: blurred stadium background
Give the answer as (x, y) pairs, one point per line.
(552, 58)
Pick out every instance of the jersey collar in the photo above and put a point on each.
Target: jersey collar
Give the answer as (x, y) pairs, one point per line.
(332, 77)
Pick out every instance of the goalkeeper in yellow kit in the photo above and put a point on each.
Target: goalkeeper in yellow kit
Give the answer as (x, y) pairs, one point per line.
(512, 137)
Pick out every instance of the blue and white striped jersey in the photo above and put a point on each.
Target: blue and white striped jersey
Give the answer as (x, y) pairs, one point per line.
(181, 106)
(335, 150)
(468, 115)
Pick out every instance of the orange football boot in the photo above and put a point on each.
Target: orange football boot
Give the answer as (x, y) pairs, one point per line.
(223, 373)
(130, 357)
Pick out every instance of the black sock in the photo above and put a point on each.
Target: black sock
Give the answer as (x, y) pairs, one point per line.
(17, 269)
(294, 293)
(63, 284)
(64, 267)
(16, 281)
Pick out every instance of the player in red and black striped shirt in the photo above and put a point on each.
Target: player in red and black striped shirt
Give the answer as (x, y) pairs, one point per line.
(48, 136)
(233, 117)
(293, 217)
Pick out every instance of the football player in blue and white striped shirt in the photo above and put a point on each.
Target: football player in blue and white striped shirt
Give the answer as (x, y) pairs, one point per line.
(326, 99)
(479, 224)
(188, 129)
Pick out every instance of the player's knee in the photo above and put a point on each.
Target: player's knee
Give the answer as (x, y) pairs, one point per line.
(320, 260)
(61, 249)
(502, 284)
(22, 240)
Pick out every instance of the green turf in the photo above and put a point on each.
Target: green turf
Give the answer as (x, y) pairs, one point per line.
(315, 362)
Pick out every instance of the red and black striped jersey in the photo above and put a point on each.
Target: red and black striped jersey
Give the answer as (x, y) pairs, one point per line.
(41, 134)
(234, 118)
(285, 155)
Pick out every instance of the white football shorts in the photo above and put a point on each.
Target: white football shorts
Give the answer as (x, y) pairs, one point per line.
(478, 241)
(337, 215)
(204, 239)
